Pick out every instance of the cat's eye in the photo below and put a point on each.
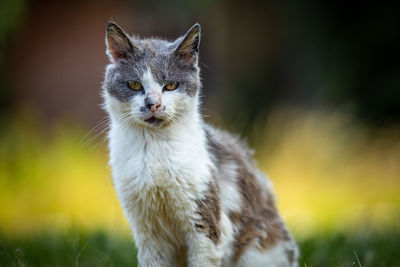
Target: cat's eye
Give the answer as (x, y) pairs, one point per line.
(135, 85)
(171, 86)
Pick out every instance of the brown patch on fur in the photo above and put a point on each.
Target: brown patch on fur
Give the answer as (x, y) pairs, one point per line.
(209, 209)
(259, 222)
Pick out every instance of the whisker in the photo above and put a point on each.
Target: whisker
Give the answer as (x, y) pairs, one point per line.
(100, 124)
(95, 137)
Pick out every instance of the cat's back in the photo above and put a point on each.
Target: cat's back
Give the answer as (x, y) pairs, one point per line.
(233, 160)
(246, 198)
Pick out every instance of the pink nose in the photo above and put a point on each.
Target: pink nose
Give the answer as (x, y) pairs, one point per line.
(152, 101)
(155, 107)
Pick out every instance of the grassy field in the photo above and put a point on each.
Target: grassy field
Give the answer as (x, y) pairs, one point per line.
(337, 182)
(74, 248)
(70, 248)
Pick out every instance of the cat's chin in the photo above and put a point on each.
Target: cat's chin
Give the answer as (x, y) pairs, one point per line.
(154, 122)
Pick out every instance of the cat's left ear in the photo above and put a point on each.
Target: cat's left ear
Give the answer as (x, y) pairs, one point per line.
(188, 49)
(118, 44)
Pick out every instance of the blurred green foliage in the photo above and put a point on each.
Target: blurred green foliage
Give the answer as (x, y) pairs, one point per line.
(10, 18)
(11, 12)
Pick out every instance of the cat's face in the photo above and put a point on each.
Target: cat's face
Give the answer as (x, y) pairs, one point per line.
(151, 83)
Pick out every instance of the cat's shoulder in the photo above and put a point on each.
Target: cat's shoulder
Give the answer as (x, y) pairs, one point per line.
(224, 145)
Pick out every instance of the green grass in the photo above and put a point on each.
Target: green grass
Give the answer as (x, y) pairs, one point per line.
(68, 249)
(379, 249)
(75, 248)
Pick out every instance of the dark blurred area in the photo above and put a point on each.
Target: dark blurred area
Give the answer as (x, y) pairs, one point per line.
(255, 55)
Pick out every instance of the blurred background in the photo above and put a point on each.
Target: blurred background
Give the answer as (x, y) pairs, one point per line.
(313, 86)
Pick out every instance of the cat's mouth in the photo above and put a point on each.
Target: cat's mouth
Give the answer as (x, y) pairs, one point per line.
(154, 121)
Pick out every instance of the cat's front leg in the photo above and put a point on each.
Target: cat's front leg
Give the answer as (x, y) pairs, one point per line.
(154, 253)
(151, 258)
(202, 251)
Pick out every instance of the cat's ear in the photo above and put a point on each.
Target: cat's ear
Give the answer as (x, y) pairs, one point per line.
(118, 44)
(188, 48)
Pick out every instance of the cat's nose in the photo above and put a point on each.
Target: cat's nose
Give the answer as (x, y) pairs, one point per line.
(152, 103)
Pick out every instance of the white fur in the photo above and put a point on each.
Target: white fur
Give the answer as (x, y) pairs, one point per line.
(230, 196)
(270, 258)
(149, 82)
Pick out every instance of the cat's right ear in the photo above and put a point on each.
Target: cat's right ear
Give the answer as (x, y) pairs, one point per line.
(118, 44)
(188, 48)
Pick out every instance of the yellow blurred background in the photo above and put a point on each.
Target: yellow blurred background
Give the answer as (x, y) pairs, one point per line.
(329, 173)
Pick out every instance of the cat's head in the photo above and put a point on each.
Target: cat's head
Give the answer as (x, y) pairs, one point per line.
(151, 83)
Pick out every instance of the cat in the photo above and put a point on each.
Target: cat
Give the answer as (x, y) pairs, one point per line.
(190, 192)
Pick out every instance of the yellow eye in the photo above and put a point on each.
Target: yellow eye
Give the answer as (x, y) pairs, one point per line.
(135, 85)
(171, 86)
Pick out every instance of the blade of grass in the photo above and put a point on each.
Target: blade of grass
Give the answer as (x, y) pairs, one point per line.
(79, 254)
(358, 261)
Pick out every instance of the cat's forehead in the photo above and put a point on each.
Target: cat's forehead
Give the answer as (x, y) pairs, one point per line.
(156, 55)
(153, 54)
(150, 48)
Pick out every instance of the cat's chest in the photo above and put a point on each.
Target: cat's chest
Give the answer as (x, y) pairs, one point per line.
(140, 163)
(158, 184)
(151, 164)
